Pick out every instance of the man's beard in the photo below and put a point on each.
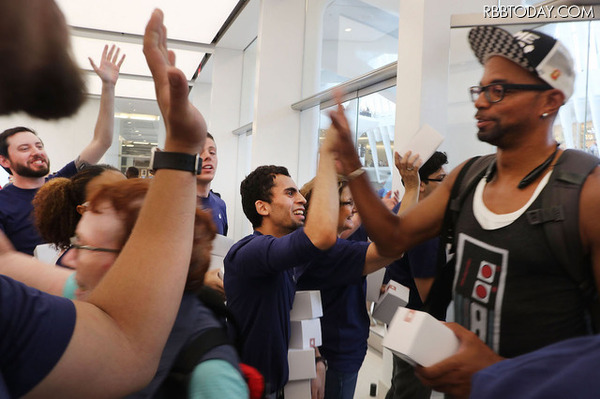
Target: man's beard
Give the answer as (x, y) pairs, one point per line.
(26, 171)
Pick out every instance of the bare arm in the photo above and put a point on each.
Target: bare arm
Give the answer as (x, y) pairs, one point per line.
(108, 71)
(321, 221)
(392, 234)
(409, 166)
(36, 274)
(119, 335)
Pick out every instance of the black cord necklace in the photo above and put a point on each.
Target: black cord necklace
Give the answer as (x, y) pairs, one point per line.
(531, 176)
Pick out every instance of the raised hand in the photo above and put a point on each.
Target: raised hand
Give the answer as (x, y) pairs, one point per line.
(186, 128)
(110, 64)
(409, 166)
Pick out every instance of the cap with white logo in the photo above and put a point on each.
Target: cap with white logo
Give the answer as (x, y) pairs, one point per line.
(535, 51)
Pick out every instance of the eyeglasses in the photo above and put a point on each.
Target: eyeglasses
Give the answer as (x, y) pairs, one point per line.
(75, 244)
(347, 203)
(494, 93)
(438, 179)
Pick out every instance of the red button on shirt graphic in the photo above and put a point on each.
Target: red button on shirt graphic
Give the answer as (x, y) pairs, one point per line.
(487, 272)
(482, 291)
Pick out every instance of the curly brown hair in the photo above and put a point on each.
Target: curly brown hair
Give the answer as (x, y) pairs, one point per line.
(127, 196)
(55, 205)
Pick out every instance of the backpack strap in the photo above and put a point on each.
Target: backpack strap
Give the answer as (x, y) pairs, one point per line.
(559, 216)
(468, 177)
(440, 293)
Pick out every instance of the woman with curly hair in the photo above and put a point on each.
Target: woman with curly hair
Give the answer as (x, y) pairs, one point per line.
(101, 233)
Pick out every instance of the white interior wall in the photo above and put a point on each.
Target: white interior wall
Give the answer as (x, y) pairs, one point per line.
(65, 138)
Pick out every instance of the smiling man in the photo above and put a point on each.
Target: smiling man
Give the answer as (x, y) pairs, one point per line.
(261, 270)
(22, 154)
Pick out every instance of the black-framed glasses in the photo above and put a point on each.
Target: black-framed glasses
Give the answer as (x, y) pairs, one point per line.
(75, 244)
(438, 179)
(347, 203)
(495, 92)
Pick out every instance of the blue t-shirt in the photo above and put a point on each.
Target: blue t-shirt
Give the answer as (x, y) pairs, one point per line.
(218, 210)
(35, 329)
(345, 322)
(16, 213)
(419, 262)
(261, 272)
(567, 369)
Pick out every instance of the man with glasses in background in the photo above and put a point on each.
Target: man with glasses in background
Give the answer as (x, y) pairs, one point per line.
(510, 289)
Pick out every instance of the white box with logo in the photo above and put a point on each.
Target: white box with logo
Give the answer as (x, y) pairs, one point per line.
(374, 283)
(301, 363)
(419, 338)
(305, 334)
(307, 305)
(395, 295)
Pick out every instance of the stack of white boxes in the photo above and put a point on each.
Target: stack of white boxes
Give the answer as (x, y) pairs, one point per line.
(305, 335)
(395, 295)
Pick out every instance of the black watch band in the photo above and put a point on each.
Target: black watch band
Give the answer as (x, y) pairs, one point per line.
(322, 360)
(176, 160)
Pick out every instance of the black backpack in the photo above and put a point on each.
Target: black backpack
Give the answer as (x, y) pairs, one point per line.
(177, 381)
(559, 215)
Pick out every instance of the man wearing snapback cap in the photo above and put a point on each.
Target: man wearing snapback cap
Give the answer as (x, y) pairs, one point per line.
(510, 290)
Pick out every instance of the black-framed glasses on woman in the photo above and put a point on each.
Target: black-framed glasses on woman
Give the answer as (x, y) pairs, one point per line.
(495, 92)
(438, 179)
(75, 244)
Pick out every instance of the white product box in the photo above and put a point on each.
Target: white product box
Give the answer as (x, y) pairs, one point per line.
(307, 305)
(221, 245)
(419, 338)
(301, 364)
(374, 283)
(305, 334)
(395, 295)
(297, 389)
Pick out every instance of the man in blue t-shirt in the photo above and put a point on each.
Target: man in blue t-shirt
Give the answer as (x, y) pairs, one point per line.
(208, 198)
(22, 154)
(261, 270)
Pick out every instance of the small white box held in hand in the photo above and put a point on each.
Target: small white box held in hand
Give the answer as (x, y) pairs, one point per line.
(301, 363)
(305, 334)
(395, 295)
(419, 338)
(307, 305)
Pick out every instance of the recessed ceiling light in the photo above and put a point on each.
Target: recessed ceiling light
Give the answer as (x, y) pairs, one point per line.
(348, 30)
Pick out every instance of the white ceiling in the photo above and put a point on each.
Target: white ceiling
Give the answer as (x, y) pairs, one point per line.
(191, 30)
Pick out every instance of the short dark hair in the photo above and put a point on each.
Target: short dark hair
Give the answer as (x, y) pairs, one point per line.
(4, 140)
(210, 136)
(132, 172)
(433, 164)
(11, 132)
(257, 186)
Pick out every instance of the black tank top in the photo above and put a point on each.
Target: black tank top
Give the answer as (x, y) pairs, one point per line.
(509, 289)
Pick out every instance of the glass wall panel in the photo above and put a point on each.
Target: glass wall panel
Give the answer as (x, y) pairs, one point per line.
(372, 117)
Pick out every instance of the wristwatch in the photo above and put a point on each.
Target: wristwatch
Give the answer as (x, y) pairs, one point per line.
(175, 160)
(322, 360)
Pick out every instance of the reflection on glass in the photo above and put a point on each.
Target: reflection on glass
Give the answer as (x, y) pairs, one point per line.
(358, 37)
(373, 117)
